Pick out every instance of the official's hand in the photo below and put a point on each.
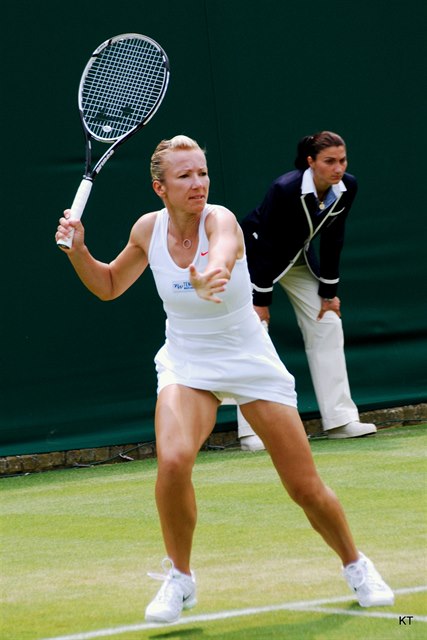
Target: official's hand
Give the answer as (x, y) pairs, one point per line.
(330, 305)
(209, 283)
(263, 313)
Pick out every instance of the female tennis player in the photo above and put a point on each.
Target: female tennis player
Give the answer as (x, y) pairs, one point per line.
(215, 347)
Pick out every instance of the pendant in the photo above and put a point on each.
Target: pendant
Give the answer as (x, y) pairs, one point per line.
(186, 243)
(321, 205)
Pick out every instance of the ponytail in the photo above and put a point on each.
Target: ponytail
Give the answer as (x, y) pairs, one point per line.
(312, 145)
(304, 149)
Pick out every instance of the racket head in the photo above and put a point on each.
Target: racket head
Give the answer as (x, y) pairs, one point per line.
(122, 86)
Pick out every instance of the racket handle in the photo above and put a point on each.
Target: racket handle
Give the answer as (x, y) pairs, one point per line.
(77, 208)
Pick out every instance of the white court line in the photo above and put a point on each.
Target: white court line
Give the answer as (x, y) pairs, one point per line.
(309, 606)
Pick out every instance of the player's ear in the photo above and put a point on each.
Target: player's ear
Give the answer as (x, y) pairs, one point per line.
(158, 188)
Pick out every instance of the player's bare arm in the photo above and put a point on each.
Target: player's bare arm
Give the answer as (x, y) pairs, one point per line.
(225, 246)
(225, 237)
(109, 281)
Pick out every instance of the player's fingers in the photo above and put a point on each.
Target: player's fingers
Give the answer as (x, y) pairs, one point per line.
(216, 290)
(193, 273)
(218, 283)
(69, 224)
(212, 297)
(64, 227)
(60, 235)
(213, 273)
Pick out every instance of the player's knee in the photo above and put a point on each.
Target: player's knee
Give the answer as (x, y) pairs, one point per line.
(306, 493)
(175, 463)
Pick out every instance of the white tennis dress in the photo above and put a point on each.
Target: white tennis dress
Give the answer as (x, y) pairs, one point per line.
(222, 348)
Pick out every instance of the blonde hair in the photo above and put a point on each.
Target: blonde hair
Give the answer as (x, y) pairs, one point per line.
(157, 164)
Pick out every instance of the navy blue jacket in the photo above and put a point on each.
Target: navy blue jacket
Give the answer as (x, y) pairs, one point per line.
(283, 227)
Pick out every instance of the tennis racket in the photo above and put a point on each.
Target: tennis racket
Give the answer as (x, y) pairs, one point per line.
(120, 90)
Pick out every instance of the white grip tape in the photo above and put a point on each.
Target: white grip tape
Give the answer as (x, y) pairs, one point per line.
(77, 208)
(80, 199)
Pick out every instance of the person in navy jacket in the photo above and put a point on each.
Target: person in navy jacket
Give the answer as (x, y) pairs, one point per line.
(313, 201)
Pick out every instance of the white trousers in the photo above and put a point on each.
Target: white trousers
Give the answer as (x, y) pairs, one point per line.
(324, 348)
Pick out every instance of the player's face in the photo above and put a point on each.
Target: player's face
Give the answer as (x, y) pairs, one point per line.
(185, 183)
(329, 166)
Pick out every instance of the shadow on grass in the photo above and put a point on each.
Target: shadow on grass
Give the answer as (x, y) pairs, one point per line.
(179, 633)
(320, 626)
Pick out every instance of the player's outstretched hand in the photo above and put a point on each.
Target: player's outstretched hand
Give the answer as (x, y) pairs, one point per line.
(209, 283)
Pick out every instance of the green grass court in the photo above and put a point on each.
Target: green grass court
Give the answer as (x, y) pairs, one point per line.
(77, 545)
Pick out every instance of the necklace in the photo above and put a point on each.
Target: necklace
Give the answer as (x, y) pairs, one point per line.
(321, 200)
(186, 243)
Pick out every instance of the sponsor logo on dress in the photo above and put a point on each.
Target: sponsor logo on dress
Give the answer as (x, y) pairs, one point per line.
(182, 285)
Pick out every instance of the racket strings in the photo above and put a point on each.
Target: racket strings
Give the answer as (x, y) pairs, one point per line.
(122, 87)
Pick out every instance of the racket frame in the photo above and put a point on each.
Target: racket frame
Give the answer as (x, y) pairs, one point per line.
(90, 173)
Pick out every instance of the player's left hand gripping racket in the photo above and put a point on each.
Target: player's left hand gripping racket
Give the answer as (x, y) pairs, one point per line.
(121, 88)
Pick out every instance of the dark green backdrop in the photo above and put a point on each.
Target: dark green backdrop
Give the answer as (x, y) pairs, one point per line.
(248, 80)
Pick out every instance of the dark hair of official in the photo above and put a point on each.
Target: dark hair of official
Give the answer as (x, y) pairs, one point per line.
(312, 145)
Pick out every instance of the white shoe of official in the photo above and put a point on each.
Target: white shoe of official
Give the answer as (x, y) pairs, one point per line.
(251, 443)
(178, 592)
(365, 581)
(353, 429)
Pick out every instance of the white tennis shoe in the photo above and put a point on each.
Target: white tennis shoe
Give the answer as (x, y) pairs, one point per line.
(353, 429)
(251, 443)
(177, 592)
(365, 581)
